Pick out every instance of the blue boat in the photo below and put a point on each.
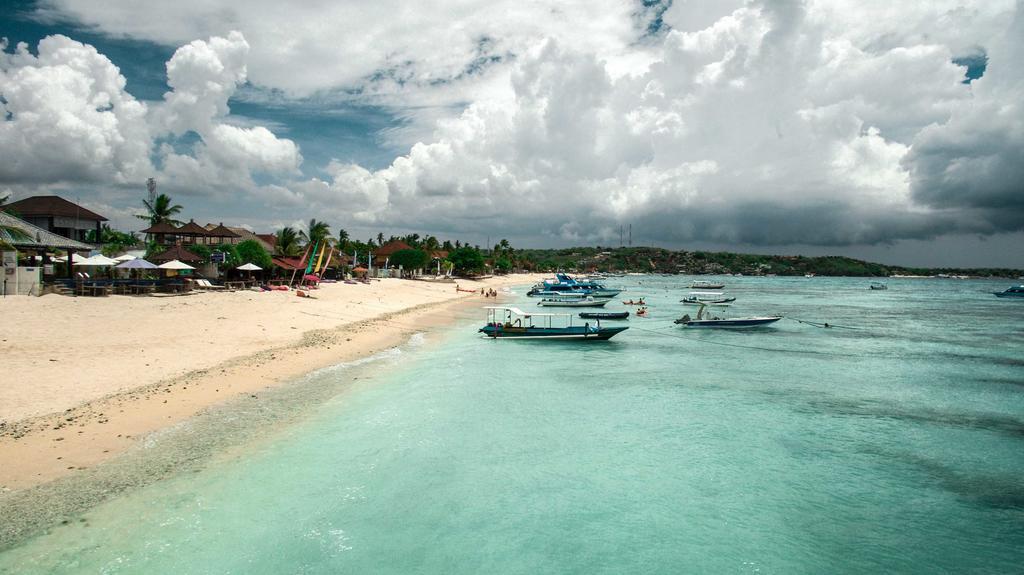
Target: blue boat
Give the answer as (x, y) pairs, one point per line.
(1012, 291)
(564, 284)
(511, 322)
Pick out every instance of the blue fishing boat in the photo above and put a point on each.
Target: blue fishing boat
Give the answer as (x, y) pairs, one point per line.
(1012, 291)
(511, 322)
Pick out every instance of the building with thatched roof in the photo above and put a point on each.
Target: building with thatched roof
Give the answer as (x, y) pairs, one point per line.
(57, 215)
(176, 252)
(382, 253)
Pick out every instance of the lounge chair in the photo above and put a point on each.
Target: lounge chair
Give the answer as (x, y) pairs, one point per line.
(205, 284)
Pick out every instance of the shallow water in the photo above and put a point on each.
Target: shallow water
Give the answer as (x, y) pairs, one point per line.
(896, 446)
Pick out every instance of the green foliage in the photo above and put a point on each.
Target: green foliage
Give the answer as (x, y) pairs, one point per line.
(201, 251)
(251, 251)
(231, 256)
(410, 259)
(152, 249)
(503, 264)
(287, 243)
(317, 232)
(467, 260)
(161, 210)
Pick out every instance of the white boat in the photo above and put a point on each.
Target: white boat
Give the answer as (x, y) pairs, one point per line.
(878, 286)
(588, 301)
(706, 320)
(707, 298)
(704, 284)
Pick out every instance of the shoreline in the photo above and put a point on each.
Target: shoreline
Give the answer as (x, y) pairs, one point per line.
(70, 440)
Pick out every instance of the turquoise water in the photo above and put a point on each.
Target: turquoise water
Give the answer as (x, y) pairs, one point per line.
(894, 447)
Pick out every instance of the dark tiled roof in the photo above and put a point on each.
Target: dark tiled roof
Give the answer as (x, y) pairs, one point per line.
(33, 236)
(220, 231)
(192, 229)
(52, 206)
(391, 247)
(161, 228)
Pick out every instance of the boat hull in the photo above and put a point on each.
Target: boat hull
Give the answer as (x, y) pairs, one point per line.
(694, 301)
(573, 303)
(735, 323)
(578, 333)
(604, 315)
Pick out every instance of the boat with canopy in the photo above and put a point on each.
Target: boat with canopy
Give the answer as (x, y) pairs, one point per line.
(512, 322)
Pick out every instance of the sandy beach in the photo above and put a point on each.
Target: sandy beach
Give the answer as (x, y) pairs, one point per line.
(87, 378)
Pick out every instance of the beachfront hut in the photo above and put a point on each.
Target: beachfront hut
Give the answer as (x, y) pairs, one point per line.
(57, 215)
(220, 234)
(383, 253)
(162, 233)
(176, 252)
(17, 235)
(193, 233)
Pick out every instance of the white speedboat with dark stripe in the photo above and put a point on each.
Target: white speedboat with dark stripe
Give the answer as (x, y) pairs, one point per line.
(706, 320)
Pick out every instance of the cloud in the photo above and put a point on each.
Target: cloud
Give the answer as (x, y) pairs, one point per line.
(67, 117)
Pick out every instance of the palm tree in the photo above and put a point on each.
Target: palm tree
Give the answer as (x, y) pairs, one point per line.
(431, 243)
(287, 243)
(380, 239)
(161, 210)
(343, 239)
(318, 231)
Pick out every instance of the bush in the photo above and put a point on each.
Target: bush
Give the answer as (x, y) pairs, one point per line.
(467, 260)
(250, 251)
(410, 259)
(201, 251)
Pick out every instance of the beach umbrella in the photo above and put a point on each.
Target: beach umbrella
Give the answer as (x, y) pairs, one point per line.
(96, 260)
(136, 264)
(125, 258)
(175, 265)
(250, 267)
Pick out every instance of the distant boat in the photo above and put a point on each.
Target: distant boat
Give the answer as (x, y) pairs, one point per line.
(511, 322)
(604, 314)
(808, 275)
(709, 321)
(1012, 291)
(703, 284)
(878, 286)
(573, 302)
(707, 298)
(564, 284)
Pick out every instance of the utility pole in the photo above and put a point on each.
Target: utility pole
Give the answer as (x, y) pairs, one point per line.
(630, 235)
(620, 235)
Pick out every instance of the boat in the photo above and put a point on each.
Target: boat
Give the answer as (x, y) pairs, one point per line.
(809, 275)
(604, 314)
(632, 302)
(588, 301)
(511, 322)
(878, 286)
(563, 284)
(707, 298)
(1012, 291)
(704, 284)
(709, 321)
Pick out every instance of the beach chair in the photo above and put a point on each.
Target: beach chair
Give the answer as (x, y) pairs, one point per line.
(205, 284)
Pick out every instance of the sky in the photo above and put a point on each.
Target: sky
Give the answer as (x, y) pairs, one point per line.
(891, 131)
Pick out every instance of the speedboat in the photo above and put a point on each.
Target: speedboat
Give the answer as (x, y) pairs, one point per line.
(708, 321)
(511, 322)
(878, 286)
(588, 301)
(1012, 291)
(604, 314)
(564, 284)
(707, 298)
(704, 284)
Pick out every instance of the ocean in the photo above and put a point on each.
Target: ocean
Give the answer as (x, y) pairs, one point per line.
(890, 442)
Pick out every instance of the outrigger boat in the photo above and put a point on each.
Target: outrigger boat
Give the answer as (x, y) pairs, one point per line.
(587, 301)
(707, 298)
(511, 322)
(604, 314)
(704, 284)
(878, 286)
(709, 321)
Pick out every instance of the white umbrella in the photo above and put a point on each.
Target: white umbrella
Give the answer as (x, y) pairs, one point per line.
(74, 260)
(175, 265)
(250, 267)
(96, 260)
(124, 258)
